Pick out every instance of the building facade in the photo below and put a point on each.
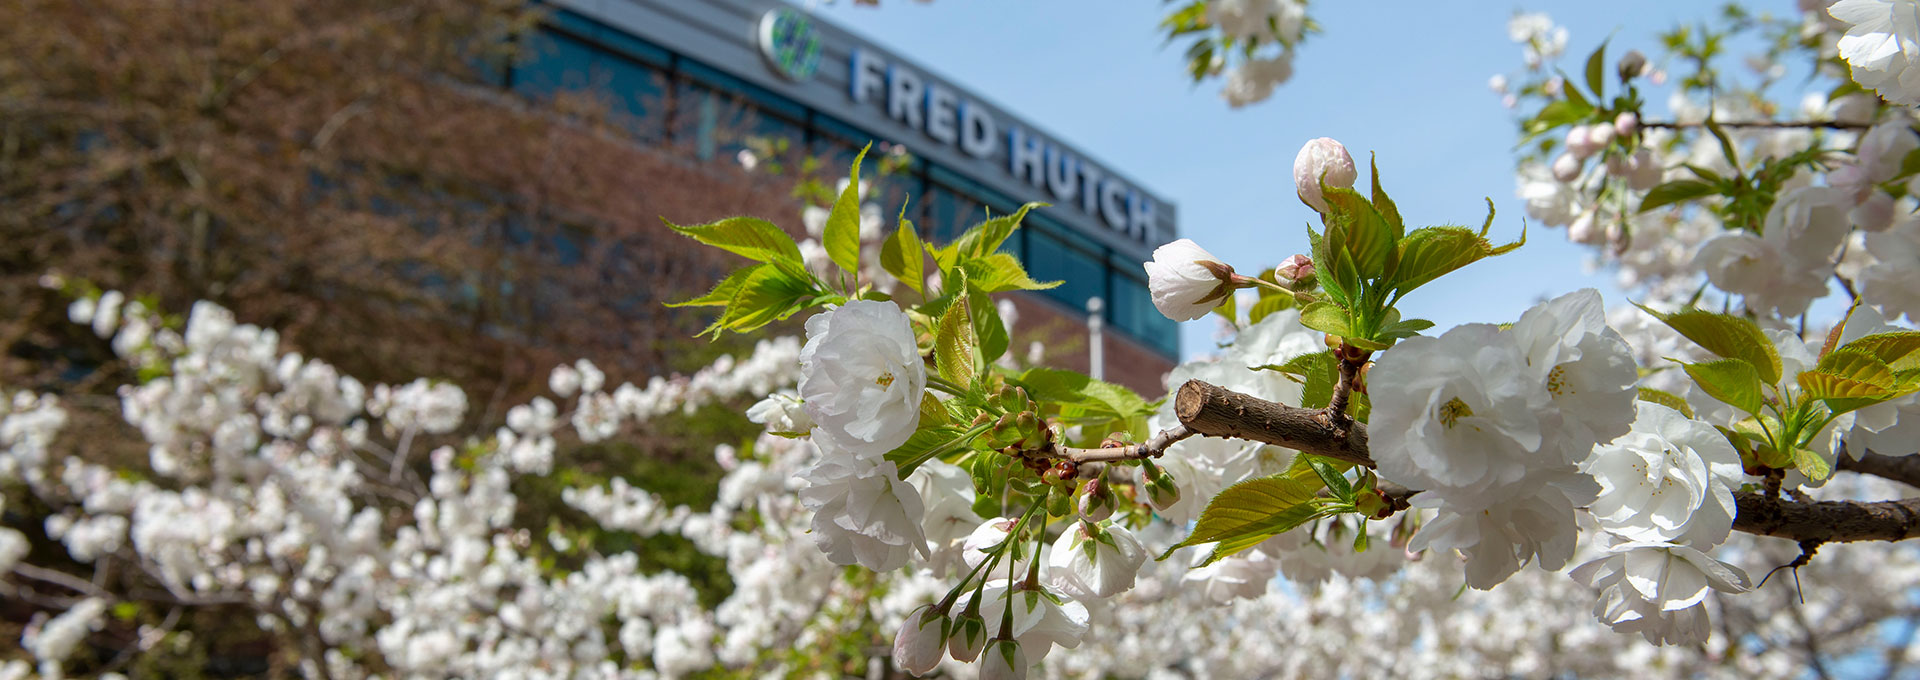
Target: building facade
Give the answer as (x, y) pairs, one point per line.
(685, 70)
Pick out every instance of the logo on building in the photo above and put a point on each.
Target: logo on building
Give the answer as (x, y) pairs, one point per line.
(790, 43)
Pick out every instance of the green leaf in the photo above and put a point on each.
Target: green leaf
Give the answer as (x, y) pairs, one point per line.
(1555, 114)
(1596, 71)
(1667, 399)
(1675, 192)
(1253, 507)
(902, 258)
(1000, 272)
(750, 237)
(1326, 317)
(766, 295)
(1427, 254)
(1848, 379)
(1279, 523)
(926, 444)
(1400, 330)
(954, 345)
(1357, 227)
(1228, 309)
(1728, 336)
(987, 325)
(1317, 372)
(1732, 381)
(1267, 305)
(1573, 92)
(842, 235)
(1384, 204)
(1811, 464)
(1336, 482)
(1082, 395)
(1898, 349)
(722, 292)
(1335, 285)
(982, 239)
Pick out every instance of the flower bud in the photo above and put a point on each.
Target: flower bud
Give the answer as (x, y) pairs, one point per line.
(1618, 165)
(1186, 281)
(1003, 660)
(1097, 501)
(1626, 124)
(1295, 268)
(1600, 135)
(1582, 230)
(1579, 142)
(1644, 172)
(1322, 160)
(1161, 491)
(968, 636)
(922, 639)
(1566, 167)
(1631, 65)
(1498, 83)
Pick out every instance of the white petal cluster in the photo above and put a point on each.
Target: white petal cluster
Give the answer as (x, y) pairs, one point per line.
(861, 377)
(1659, 590)
(1492, 423)
(1096, 560)
(1881, 45)
(1668, 480)
(863, 512)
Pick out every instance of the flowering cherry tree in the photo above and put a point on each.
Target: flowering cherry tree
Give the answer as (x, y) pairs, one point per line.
(1583, 491)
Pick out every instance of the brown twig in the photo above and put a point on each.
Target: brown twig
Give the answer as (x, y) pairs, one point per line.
(1151, 448)
(1902, 469)
(1809, 124)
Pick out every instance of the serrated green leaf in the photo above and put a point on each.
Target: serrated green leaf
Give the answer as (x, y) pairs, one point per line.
(1336, 483)
(1249, 508)
(1899, 349)
(1432, 252)
(723, 291)
(1317, 372)
(766, 295)
(926, 444)
(842, 235)
(1384, 204)
(982, 239)
(1726, 335)
(1811, 464)
(1080, 396)
(933, 413)
(954, 345)
(987, 325)
(1001, 272)
(901, 256)
(1326, 317)
(1848, 379)
(1335, 287)
(750, 237)
(1675, 192)
(1667, 399)
(1732, 381)
(1279, 523)
(1357, 227)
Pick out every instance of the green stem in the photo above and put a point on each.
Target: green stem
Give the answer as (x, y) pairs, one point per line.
(946, 386)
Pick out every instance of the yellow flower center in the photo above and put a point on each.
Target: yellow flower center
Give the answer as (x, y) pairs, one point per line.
(1557, 381)
(1452, 411)
(885, 379)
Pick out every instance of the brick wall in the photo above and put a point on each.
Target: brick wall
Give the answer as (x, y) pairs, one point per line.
(1063, 338)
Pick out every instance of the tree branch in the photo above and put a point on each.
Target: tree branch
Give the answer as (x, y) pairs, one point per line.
(1903, 469)
(1809, 124)
(1215, 411)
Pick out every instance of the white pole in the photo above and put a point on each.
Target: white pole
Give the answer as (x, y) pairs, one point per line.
(1096, 358)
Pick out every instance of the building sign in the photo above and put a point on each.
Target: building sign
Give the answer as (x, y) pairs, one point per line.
(790, 43)
(948, 118)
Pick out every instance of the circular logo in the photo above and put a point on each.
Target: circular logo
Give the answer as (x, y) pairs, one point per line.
(790, 43)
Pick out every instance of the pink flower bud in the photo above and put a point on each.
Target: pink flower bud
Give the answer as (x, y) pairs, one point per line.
(1579, 142)
(1566, 168)
(921, 642)
(1295, 267)
(1600, 135)
(1322, 160)
(1626, 124)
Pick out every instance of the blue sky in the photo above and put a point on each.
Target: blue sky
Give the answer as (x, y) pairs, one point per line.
(1405, 80)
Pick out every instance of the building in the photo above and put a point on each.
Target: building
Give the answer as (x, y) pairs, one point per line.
(690, 68)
